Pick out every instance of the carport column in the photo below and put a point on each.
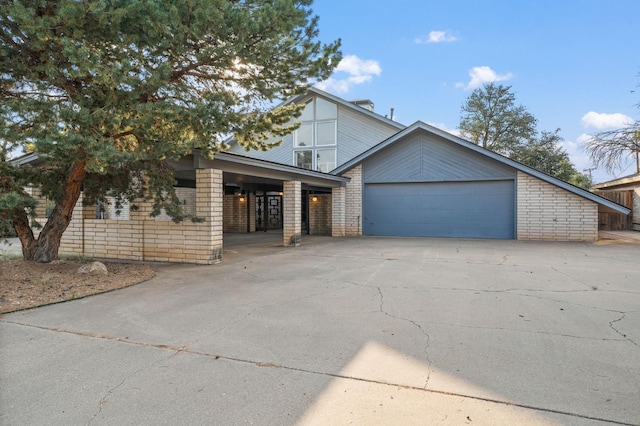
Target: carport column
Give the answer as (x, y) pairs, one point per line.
(209, 200)
(292, 220)
(338, 211)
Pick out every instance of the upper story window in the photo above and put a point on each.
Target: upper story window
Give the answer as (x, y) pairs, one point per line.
(315, 140)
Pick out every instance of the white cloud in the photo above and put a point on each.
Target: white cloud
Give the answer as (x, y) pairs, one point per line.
(583, 138)
(444, 127)
(482, 75)
(605, 121)
(436, 37)
(578, 155)
(359, 71)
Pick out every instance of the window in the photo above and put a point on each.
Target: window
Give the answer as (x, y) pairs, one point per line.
(308, 111)
(326, 133)
(325, 110)
(315, 140)
(325, 160)
(304, 159)
(304, 135)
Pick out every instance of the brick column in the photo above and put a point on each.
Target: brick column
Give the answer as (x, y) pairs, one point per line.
(209, 201)
(292, 226)
(251, 200)
(338, 210)
(353, 203)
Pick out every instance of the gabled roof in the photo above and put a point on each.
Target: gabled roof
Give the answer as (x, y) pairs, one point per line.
(350, 105)
(625, 181)
(421, 126)
(346, 104)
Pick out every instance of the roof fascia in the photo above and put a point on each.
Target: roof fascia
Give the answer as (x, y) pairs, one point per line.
(285, 172)
(29, 158)
(623, 181)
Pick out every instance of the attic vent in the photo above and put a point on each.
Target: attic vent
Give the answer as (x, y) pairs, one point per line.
(364, 103)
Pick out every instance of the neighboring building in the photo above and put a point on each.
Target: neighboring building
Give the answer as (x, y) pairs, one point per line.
(625, 191)
(347, 171)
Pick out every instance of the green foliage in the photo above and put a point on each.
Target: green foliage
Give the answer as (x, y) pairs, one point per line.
(545, 153)
(102, 90)
(491, 119)
(13, 198)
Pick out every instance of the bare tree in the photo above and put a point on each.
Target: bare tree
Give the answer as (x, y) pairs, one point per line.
(609, 149)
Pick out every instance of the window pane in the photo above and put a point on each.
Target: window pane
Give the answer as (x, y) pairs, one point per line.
(307, 112)
(325, 110)
(303, 159)
(326, 133)
(304, 135)
(326, 160)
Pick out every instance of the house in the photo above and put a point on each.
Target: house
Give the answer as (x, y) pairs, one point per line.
(346, 171)
(625, 191)
(422, 181)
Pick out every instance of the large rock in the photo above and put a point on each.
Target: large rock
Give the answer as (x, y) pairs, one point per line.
(93, 268)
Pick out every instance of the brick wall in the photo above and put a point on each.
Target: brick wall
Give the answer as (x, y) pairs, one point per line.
(353, 202)
(235, 213)
(144, 238)
(338, 212)
(111, 212)
(292, 217)
(320, 214)
(546, 212)
(187, 197)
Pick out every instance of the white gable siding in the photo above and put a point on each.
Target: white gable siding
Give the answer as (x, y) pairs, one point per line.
(280, 154)
(358, 132)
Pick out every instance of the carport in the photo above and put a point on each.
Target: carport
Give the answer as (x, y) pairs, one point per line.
(201, 186)
(258, 191)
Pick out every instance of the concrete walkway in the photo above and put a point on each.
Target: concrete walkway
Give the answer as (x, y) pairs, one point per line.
(343, 331)
(623, 236)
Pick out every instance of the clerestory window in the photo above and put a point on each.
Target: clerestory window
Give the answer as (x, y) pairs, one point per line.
(315, 141)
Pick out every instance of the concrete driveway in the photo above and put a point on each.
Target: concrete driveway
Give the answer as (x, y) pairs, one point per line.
(343, 331)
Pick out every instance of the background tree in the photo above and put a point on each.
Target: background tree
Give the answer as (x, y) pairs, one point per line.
(491, 119)
(104, 90)
(610, 149)
(545, 153)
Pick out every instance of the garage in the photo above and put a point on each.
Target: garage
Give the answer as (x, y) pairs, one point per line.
(481, 209)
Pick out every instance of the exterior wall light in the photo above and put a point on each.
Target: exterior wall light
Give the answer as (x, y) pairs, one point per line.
(314, 198)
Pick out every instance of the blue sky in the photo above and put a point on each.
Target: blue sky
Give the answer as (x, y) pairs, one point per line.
(575, 65)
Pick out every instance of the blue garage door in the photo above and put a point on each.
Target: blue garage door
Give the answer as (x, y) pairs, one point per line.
(444, 209)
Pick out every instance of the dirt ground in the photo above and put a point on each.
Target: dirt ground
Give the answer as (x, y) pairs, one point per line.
(28, 284)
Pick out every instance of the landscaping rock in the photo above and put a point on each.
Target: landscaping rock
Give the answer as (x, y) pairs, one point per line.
(93, 268)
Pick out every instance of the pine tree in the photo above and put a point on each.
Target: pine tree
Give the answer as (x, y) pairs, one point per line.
(105, 90)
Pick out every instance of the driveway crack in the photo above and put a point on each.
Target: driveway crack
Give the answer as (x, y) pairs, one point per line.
(105, 397)
(416, 324)
(624, 336)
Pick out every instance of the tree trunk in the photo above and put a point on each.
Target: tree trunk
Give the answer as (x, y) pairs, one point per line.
(25, 233)
(45, 248)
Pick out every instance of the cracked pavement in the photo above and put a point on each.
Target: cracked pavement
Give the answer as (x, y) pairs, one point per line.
(339, 331)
